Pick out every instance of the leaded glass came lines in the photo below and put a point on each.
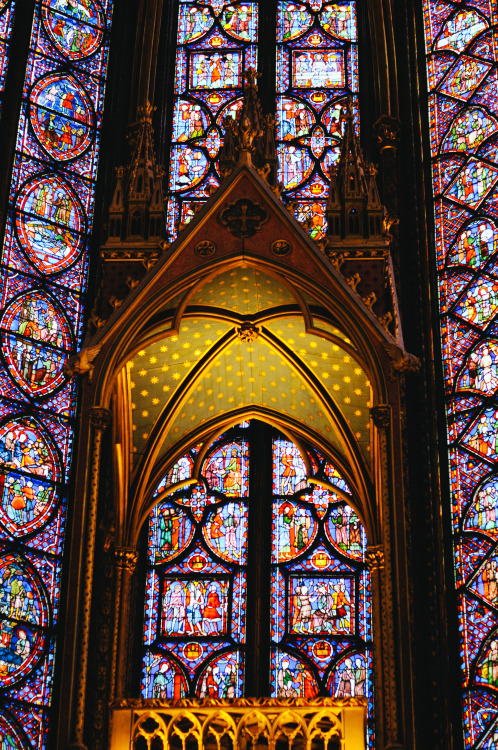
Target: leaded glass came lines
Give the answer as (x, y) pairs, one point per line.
(44, 268)
(463, 90)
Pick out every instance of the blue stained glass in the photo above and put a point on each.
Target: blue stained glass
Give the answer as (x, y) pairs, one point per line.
(316, 73)
(195, 626)
(463, 124)
(44, 267)
(321, 605)
(216, 44)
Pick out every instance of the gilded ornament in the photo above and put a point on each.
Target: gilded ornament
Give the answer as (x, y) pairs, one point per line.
(374, 557)
(248, 332)
(205, 248)
(281, 247)
(125, 558)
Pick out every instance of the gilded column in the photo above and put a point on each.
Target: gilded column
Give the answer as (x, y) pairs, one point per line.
(387, 131)
(99, 419)
(125, 560)
(379, 560)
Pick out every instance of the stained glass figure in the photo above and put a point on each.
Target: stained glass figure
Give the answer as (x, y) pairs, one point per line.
(216, 44)
(44, 269)
(50, 223)
(76, 29)
(316, 73)
(475, 244)
(463, 122)
(222, 678)
(61, 116)
(293, 677)
(36, 342)
(24, 614)
(482, 514)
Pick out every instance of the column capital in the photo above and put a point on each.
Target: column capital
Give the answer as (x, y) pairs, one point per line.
(100, 418)
(374, 557)
(387, 129)
(381, 416)
(125, 558)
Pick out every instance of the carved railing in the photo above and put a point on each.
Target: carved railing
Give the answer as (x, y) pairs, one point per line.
(242, 724)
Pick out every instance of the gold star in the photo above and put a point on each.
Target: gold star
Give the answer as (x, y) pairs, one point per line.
(141, 353)
(347, 379)
(143, 373)
(154, 380)
(176, 355)
(145, 413)
(164, 349)
(144, 393)
(176, 376)
(165, 368)
(155, 401)
(153, 360)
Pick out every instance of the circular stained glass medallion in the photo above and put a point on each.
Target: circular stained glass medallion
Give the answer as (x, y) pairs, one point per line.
(226, 532)
(62, 116)
(36, 342)
(345, 531)
(49, 223)
(24, 613)
(294, 530)
(75, 28)
(29, 466)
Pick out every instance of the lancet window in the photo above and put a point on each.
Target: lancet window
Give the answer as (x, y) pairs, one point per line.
(44, 265)
(463, 95)
(316, 75)
(307, 572)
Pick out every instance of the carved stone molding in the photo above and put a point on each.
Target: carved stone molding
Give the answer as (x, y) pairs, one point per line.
(100, 418)
(381, 416)
(374, 557)
(125, 558)
(82, 362)
(317, 723)
(387, 129)
(243, 218)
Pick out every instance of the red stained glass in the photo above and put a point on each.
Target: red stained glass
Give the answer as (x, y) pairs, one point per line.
(463, 121)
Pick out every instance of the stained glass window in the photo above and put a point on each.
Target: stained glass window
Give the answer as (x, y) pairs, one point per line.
(6, 21)
(317, 72)
(43, 268)
(463, 95)
(195, 619)
(216, 44)
(196, 586)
